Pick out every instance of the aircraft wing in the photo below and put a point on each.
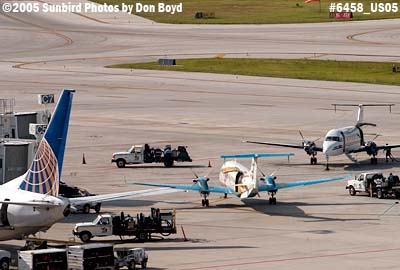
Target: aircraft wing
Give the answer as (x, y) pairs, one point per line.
(118, 196)
(380, 147)
(265, 187)
(388, 146)
(31, 203)
(175, 186)
(299, 146)
(220, 189)
(212, 189)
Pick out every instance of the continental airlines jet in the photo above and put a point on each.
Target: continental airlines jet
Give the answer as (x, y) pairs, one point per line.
(240, 181)
(345, 140)
(30, 203)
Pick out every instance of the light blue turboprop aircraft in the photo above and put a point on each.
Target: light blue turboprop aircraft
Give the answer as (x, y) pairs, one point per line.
(236, 179)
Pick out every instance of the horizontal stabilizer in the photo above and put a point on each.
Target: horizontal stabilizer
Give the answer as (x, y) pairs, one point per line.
(255, 155)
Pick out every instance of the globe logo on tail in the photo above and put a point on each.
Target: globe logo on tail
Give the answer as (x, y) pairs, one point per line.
(42, 177)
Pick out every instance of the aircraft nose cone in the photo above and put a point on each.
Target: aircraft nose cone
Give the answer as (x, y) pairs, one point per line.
(327, 147)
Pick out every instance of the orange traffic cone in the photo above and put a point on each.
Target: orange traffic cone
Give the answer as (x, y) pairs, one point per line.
(209, 164)
(83, 159)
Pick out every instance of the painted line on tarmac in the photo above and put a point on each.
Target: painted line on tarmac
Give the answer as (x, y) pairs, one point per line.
(295, 259)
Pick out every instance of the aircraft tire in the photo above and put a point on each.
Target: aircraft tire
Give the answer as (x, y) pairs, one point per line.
(207, 203)
(97, 208)
(86, 209)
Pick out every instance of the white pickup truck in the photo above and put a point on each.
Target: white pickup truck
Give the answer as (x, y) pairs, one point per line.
(375, 183)
(139, 154)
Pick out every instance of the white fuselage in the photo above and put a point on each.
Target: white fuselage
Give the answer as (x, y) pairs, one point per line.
(342, 140)
(238, 178)
(21, 220)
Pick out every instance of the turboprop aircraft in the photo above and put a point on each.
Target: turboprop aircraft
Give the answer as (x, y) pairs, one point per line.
(345, 140)
(240, 181)
(30, 203)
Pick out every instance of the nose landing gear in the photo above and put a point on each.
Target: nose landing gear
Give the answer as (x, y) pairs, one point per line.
(272, 199)
(313, 160)
(204, 201)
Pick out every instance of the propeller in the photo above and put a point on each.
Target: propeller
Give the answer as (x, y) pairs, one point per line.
(197, 178)
(272, 175)
(308, 144)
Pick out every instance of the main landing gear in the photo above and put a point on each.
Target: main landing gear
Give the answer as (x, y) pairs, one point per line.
(374, 160)
(313, 160)
(272, 199)
(204, 201)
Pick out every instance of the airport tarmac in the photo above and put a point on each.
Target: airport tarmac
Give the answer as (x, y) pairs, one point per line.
(310, 228)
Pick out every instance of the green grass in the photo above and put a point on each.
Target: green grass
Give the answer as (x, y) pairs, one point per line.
(251, 11)
(346, 71)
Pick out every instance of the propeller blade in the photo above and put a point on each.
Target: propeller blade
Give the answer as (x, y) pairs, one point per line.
(262, 173)
(376, 136)
(194, 173)
(301, 134)
(316, 139)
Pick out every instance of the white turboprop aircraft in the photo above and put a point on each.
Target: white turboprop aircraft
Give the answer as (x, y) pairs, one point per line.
(240, 181)
(30, 203)
(345, 140)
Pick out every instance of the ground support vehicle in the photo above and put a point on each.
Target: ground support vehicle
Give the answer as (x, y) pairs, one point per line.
(139, 154)
(130, 258)
(375, 184)
(91, 257)
(142, 227)
(43, 259)
(69, 191)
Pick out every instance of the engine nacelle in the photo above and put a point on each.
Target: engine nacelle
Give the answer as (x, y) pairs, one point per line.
(371, 148)
(308, 147)
(270, 181)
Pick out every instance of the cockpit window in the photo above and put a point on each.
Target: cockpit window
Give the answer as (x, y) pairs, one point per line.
(332, 139)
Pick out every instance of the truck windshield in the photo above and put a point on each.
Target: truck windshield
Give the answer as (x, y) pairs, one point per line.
(96, 221)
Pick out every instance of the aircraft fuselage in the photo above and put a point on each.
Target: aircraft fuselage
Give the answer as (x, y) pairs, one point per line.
(342, 140)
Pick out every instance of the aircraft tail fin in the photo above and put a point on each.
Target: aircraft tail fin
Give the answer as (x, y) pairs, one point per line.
(44, 174)
(253, 171)
(360, 114)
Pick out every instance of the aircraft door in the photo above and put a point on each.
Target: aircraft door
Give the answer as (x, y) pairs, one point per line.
(344, 141)
(3, 214)
(238, 182)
